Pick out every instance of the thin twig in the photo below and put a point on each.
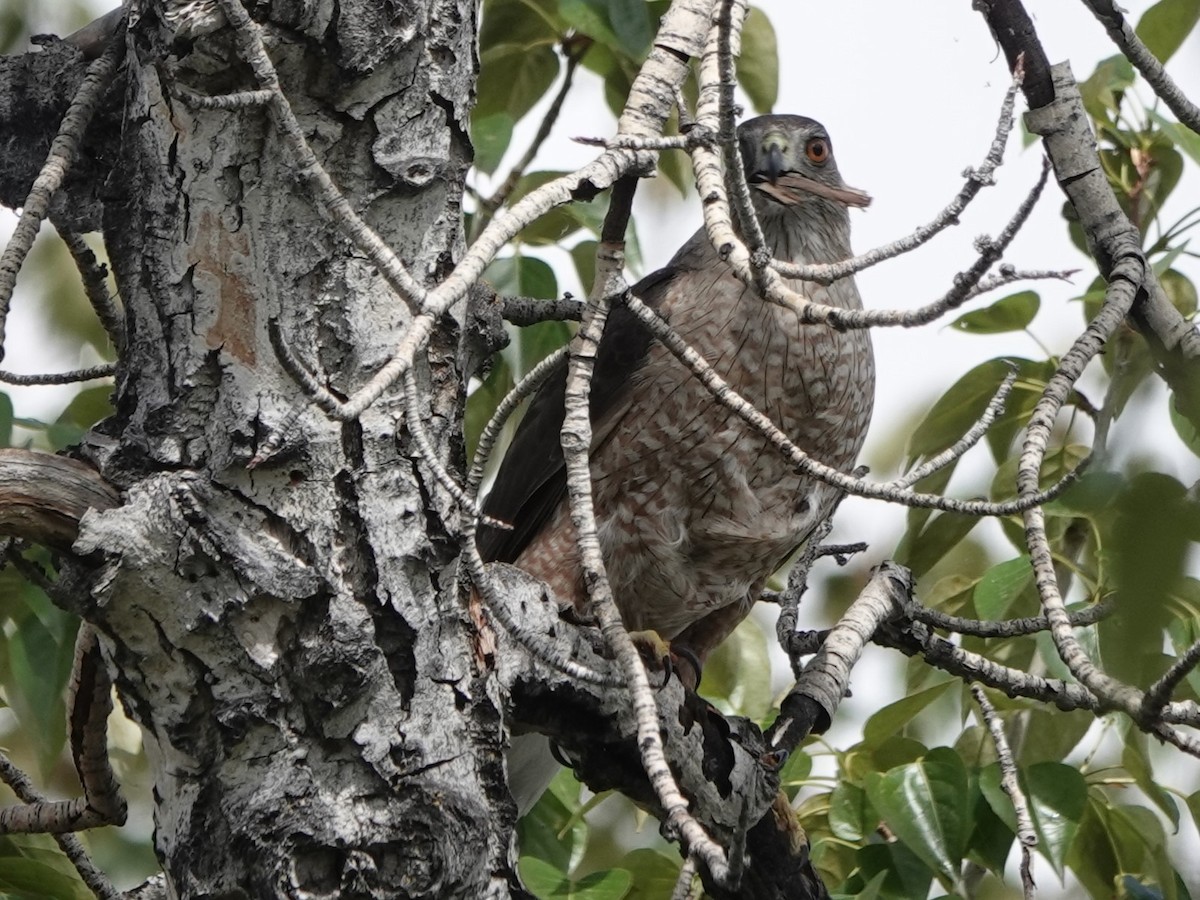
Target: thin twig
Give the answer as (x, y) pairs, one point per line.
(70, 845)
(491, 432)
(1011, 785)
(1144, 61)
(976, 179)
(95, 286)
(1160, 692)
(576, 443)
(968, 440)
(1007, 628)
(416, 426)
(500, 197)
(890, 491)
(1126, 277)
(104, 370)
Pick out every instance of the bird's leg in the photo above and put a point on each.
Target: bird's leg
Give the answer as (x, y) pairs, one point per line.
(663, 654)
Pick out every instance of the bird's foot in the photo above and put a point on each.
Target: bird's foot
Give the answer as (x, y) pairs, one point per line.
(677, 658)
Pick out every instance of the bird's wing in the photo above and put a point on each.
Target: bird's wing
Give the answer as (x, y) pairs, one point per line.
(532, 479)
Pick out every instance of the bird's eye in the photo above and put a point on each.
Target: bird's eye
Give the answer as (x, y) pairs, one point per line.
(817, 150)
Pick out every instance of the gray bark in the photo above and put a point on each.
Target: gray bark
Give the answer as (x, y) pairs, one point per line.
(288, 637)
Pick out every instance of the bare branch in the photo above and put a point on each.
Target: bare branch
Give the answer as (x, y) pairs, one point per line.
(70, 845)
(530, 310)
(104, 370)
(797, 585)
(1011, 785)
(1007, 628)
(1159, 693)
(817, 694)
(95, 286)
(683, 884)
(576, 443)
(43, 497)
(967, 441)
(1144, 61)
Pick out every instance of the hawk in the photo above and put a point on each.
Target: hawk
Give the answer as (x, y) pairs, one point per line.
(694, 509)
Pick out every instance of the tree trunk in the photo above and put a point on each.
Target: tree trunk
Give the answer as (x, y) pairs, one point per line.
(288, 634)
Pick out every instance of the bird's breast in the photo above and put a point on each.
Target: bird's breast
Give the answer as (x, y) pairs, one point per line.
(698, 508)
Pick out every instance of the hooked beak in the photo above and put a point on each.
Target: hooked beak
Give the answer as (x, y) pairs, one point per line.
(774, 144)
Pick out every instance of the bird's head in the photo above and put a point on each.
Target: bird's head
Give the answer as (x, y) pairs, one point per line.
(790, 160)
(798, 192)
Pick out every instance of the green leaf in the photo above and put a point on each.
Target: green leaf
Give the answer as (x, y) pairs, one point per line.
(1000, 586)
(1057, 797)
(86, 408)
(1107, 83)
(523, 23)
(1184, 427)
(851, 817)
(1184, 138)
(905, 874)
(35, 670)
(1165, 26)
(758, 65)
(552, 833)
(1180, 291)
(959, 408)
(795, 771)
(1148, 545)
(737, 676)
(522, 276)
(536, 342)
(621, 25)
(892, 719)
(945, 532)
(654, 875)
(491, 136)
(1135, 759)
(547, 883)
(991, 838)
(1012, 313)
(1048, 735)
(926, 805)
(512, 78)
(6, 420)
(1136, 890)
(24, 878)
(1193, 805)
(583, 255)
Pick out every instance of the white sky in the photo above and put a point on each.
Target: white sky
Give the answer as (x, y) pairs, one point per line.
(909, 93)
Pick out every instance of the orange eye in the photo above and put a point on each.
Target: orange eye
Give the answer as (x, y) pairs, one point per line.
(817, 150)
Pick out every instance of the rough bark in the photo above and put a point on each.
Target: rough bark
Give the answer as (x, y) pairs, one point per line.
(286, 636)
(35, 90)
